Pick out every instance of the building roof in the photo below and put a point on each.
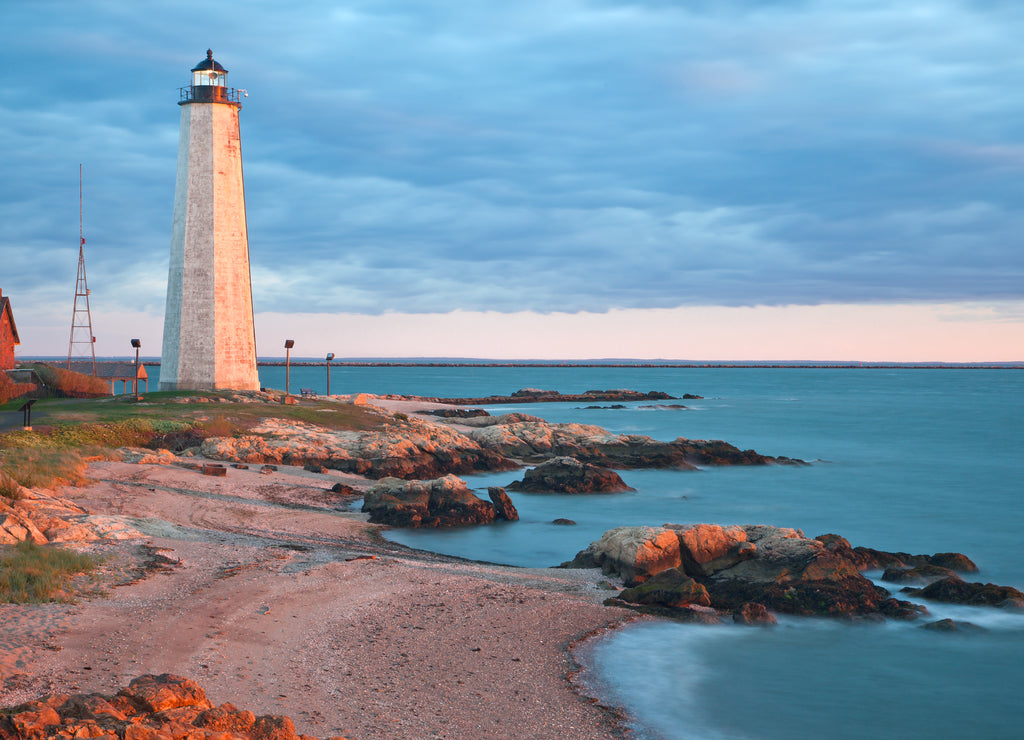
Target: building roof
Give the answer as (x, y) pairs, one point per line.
(208, 63)
(5, 310)
(107, 369)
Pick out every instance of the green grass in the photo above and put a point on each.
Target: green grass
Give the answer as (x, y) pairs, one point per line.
(31, 573)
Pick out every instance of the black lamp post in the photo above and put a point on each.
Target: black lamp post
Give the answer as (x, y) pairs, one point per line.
(288, 344)
(330, 356)
(136, 343)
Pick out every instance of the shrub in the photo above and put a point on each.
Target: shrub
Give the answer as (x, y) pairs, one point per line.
(30, 573)
(69, 384)
(9, 389)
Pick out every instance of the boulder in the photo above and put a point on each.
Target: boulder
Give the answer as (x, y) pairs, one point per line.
(632, 553)
(569, 475)
(442, 502)
(490, 421)
(948, 625)
(503, 506)
(456, 413)
(926, 573)
(157, 693)
(671, 588)
(755, 614)
(867, 558)
(777, 568)
(953, 561)
(955, 591)
(563, 522)
(184, 712)
(708, 548)
(536, 441)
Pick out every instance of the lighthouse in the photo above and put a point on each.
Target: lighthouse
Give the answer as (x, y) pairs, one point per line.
(209, 338)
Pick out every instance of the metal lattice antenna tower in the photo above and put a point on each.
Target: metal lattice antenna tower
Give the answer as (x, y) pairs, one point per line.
(81, 319)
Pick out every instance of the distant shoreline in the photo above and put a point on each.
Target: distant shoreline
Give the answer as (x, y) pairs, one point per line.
(627, 364)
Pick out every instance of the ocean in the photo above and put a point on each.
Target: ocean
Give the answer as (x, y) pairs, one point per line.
(914, 460)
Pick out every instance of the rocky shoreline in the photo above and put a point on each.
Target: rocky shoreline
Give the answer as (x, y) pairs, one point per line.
(240, 565)
(706, 572)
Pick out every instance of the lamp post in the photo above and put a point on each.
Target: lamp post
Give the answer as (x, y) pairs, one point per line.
(136, 343)
(330, 356)
(288, 344)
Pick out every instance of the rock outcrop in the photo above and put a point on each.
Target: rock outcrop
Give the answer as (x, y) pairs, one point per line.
(443, 502)
(747, 569)
(411, 449)
(538, 441)
(503, 506)
(569, 475)
(954, 590)
(164, 706)
(867, 558)
(40, 516)
(632, 553)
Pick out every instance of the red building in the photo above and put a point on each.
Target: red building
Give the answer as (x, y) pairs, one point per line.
(8, 333)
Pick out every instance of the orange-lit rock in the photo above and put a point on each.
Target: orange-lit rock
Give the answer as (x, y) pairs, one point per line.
(633, 553)
(149, 708)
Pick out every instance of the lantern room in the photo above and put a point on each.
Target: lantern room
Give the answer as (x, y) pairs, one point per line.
(209, 84)
(209, 72)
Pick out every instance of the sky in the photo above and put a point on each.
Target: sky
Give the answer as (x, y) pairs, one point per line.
(829, 180)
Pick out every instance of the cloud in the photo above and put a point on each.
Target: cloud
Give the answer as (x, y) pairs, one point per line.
(567, 156)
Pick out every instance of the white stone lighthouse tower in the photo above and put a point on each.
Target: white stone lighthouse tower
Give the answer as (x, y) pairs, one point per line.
(209, 338)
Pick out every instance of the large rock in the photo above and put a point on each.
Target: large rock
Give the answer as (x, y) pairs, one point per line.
(671, 588)
(632, 553)
(411, 449)
(443, 502)
(40, 516)
(164, 706)
(777, 568)
(569, 475)
(866, 558)
(536, 441)
(490, 421)
(709, 548)
(926, 573)
(955, 591)
(503, 506)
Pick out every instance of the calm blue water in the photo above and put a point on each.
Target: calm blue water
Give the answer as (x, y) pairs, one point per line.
(913, 460)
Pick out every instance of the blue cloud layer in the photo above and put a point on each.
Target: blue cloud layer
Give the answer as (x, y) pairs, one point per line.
(557, 155)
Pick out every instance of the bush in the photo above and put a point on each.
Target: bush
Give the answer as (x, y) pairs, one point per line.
(65, 383)
(30, 573)
(9, 389)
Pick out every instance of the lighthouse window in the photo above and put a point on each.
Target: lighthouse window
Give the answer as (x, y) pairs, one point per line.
(208, 77)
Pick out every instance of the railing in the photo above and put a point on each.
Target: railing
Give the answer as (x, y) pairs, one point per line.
(207, 94)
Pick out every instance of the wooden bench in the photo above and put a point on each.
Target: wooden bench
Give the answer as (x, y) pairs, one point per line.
(307, 392)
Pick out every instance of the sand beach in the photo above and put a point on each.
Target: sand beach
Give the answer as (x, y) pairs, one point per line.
(263, 590)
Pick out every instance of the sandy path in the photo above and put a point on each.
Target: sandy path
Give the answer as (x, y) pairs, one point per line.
(300, 611)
